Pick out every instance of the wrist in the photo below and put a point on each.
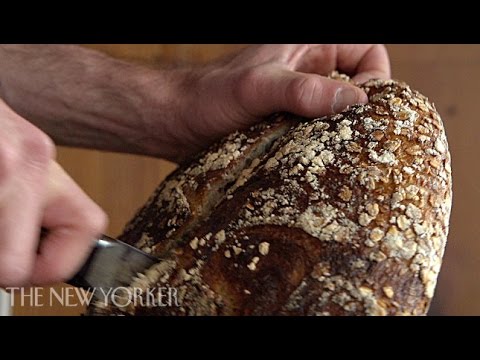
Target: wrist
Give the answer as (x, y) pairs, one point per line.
(168, 100)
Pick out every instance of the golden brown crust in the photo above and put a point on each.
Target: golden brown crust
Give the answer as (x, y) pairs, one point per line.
(344, 215)
(189, 193)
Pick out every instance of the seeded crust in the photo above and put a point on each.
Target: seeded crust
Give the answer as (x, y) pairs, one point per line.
(341, 215)
(187, 196)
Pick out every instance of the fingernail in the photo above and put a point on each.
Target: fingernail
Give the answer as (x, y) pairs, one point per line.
(344, 97)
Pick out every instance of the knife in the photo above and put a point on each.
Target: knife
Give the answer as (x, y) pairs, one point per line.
(111, 264)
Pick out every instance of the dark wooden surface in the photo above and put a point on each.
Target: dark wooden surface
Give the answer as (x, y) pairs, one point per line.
(447, 74)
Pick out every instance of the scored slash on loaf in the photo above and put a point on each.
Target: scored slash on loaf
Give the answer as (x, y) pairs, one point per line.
(341, 215)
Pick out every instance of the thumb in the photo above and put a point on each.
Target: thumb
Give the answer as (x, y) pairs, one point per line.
(309, 95)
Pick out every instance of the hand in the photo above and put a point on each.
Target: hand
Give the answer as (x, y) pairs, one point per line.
(35, 192)
(107, 104)
(237, 91)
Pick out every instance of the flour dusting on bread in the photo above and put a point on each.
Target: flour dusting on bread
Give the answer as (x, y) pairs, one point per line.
(341, 215)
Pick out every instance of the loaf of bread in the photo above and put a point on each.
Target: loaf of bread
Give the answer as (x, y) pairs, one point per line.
(340, 215)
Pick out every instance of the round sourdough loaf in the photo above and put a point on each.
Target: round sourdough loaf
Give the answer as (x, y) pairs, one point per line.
(340, 215)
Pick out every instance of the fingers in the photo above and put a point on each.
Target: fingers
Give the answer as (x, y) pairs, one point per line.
(375, 64)
(363, 61)
(20, 204)
(269, 89)
(35, 191)
(74, 222)
(318, 59)
(281, 53)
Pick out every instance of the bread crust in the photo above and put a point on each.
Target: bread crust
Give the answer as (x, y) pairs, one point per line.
(341, 215)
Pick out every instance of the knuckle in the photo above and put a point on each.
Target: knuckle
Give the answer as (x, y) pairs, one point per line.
(376, 47)
(95, 219)
(39, 145)
(380, 46)
(301, 93)
(9, 161)
(248, 82)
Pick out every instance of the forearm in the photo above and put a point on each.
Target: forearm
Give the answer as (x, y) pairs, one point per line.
(84, 98)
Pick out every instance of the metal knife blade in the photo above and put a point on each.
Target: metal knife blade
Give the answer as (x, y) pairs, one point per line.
(111, 264)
